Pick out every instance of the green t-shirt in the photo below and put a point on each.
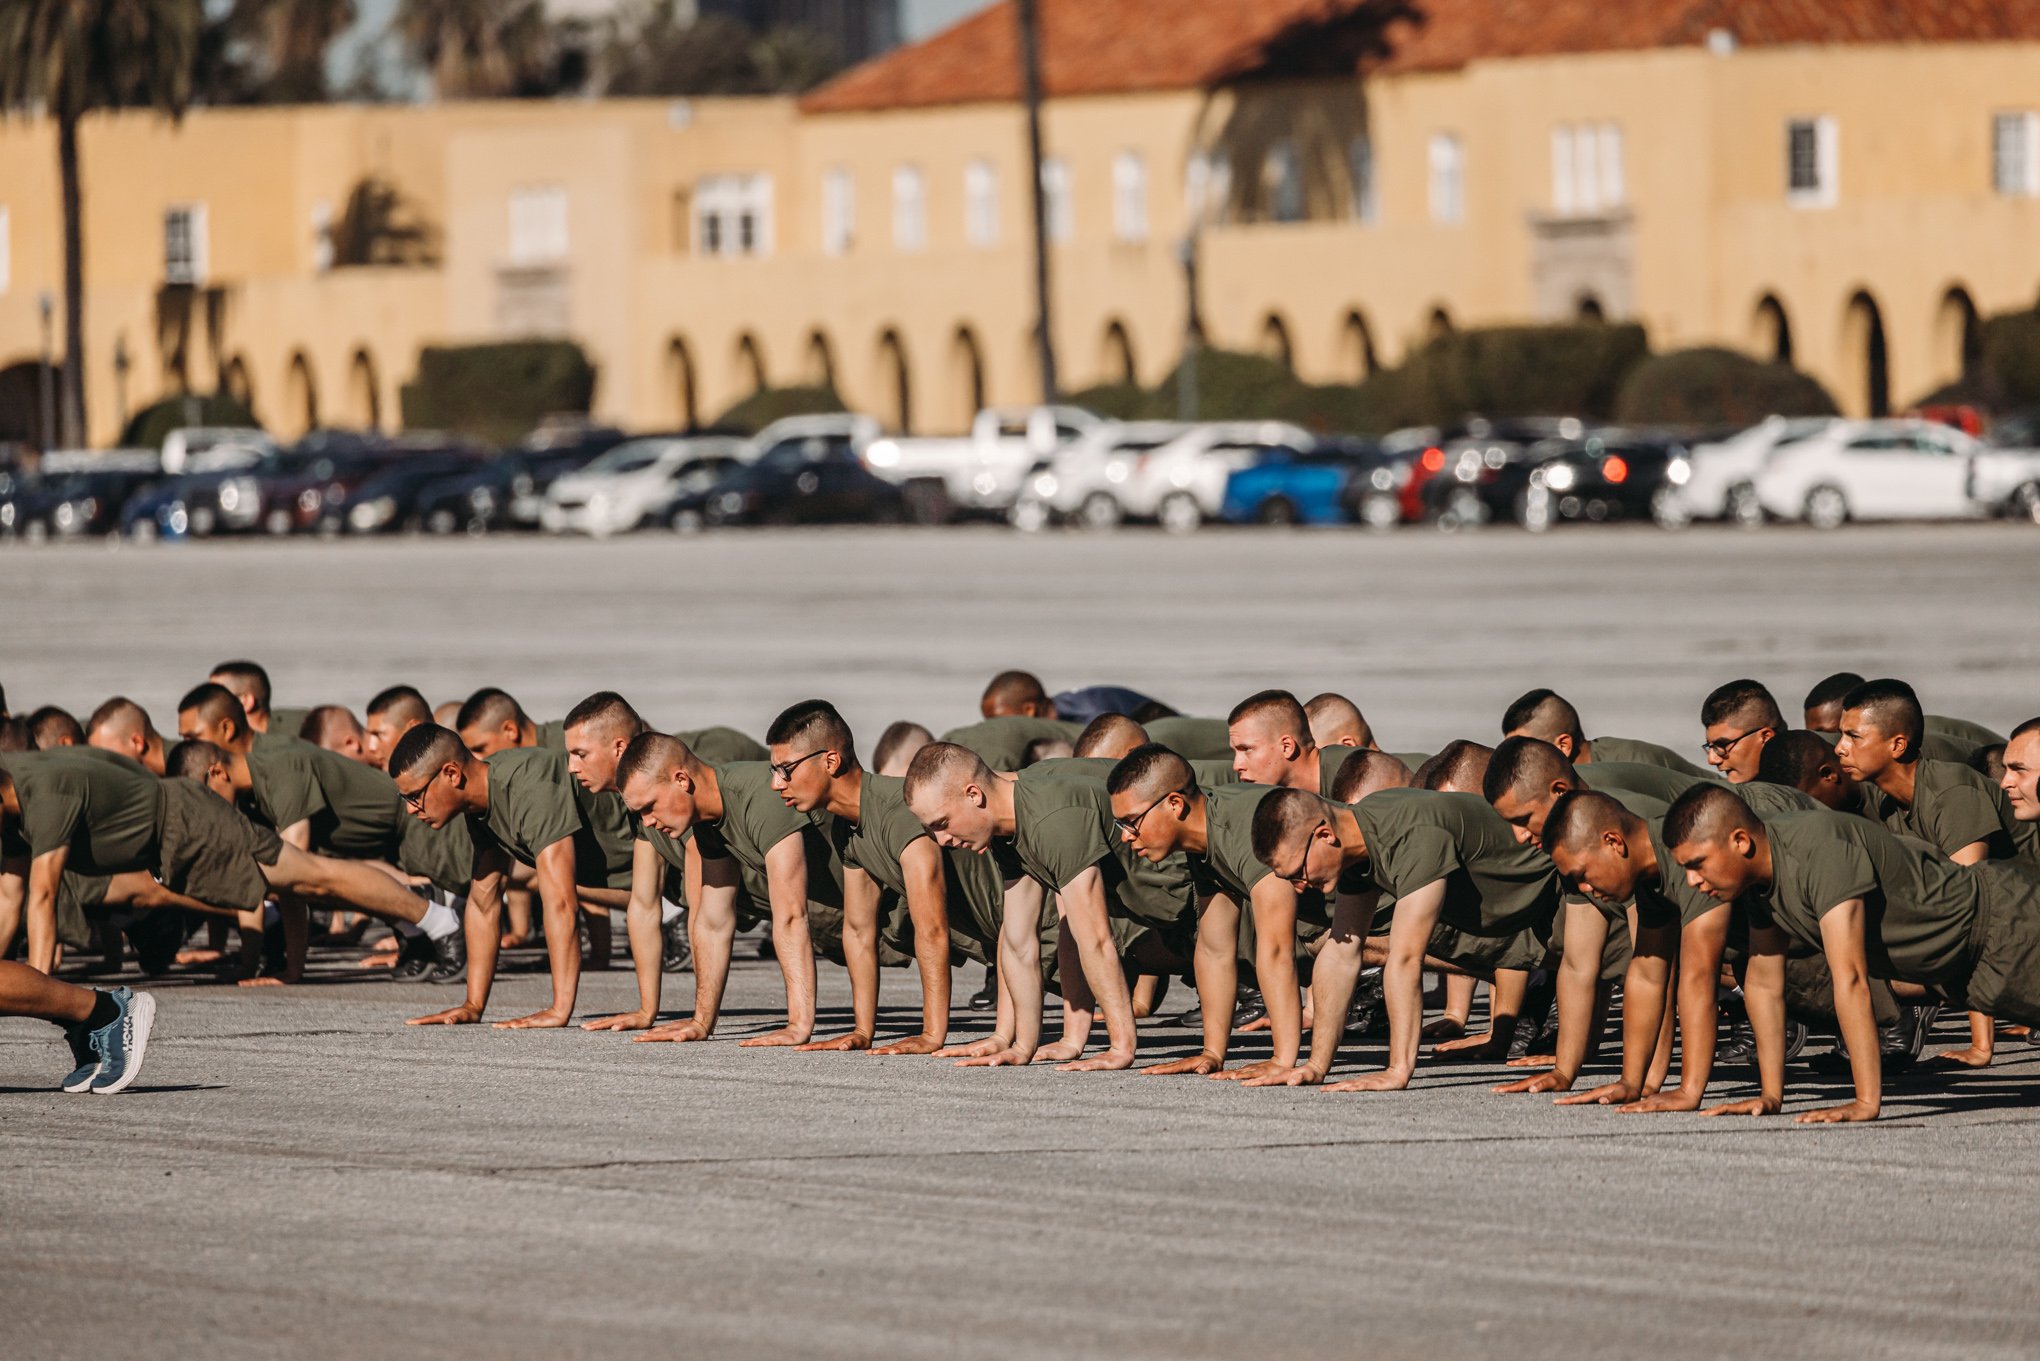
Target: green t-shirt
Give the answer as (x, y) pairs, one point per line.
(1002, 743)
(1668, 899)
(1494, 886)
(1919, 906)
(1958, 735)
(1229, 864)
(1063, 826)
(1330, 761)
(975, 885)
(1617, 777)
(354, 810)
(1193, 739)
(721, 745)
(534, 803)
(1641, 753)
(286, 722)
(754, 820)
(1954, 806)
(1211, 772)
(552, 734)
(1767, 800)
(103, 806)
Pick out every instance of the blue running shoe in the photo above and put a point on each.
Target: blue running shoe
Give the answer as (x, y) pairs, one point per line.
(84, 1054)
(123, 1041)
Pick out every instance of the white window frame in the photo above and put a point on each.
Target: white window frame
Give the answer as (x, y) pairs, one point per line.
(195, 268)
(722, 206)
(2015, 175)
(1447, 158)
(6, 250)
(1614, 169)
(1360, 165)
(839, 211)
(1826, 188)
(1130, 197)
(981, 204)
(909, 209)
(1058, 209)
(538, 225)
(1282, 181)
(1565, 199)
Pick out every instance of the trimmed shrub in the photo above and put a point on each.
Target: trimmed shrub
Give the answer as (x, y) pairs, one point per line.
(1713, 386)
(147, 428)
(1231, 386)
(497, 392)
(767, 405)
(1573, 370)
(1125, 402)
(2010, 367)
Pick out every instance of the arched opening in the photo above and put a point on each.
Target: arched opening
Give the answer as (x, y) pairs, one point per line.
(234, 381)
(818, 365)
(1588, 309)
(1115, 361)
(893, 386)
(1864, 359)
(1356, 347)
(1771, 331)
(364, 400)
(1438, 325)
(750, 364)
(1958, 335)
(22, 403)
(1275, 341)
(300, 394)
(680, 382)
(967, 375)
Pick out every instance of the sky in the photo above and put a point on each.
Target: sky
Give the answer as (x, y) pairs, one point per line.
(918, 18)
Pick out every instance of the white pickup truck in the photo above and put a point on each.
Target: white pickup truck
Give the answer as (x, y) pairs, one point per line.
(981, 471)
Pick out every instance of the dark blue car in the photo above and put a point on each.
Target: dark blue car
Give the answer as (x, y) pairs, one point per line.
(1333, 482)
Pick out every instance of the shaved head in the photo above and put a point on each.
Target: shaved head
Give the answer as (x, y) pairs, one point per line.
(607, 714)
(489, 707)
(1543, 714)
(654, 754)
(401, 702)
(427, 746)
(813, 725)
(1016, 694)
(55, 727)
(1823, 702)
(941, 768)
(335, 728)
(1110, 736)
(215, 713)
(1598, 845)
(1148, 772)
(1893, 708)
(1336, 721)
(1282, 821)
(249, 682)
(1707, 814)
(1278, 708)
(1524, 767)
(1746, 703)
(1459, 769)
(391, 714)
(897, 745)
(1366, 771)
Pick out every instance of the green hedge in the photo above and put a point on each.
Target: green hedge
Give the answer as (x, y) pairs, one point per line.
(2010, 365)
(767, 405)
(147, 428)
(1124, 402)
(496, 393)
(1711, 386)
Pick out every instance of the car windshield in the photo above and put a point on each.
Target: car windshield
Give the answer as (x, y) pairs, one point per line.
(630, 458)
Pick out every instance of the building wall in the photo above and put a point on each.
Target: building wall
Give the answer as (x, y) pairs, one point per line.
(1705, 232)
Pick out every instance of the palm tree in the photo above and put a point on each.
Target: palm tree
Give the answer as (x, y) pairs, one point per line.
(475, 49)
(293, 36)
(65, 58)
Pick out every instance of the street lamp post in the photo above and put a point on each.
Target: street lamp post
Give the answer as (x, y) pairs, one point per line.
(120, 373)
(48, 305)
(1030, 84)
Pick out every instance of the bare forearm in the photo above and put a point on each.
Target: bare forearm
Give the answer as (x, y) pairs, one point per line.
(796, 954)
(641, 925)
(1331, 991)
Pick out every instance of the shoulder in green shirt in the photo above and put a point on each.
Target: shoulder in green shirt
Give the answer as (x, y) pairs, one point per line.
(720, 745)
(354, 809)
(755, 819)
(534, 802)
(102, 806)
(1954, 806)
(1063, 820)
(1636, 777)
(1919, 906)
(1494, 886)
(1641, 753)
(1229, 837)
(1193, 739)
(1002, 743)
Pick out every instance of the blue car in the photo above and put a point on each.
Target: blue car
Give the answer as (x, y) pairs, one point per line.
(1331, 483)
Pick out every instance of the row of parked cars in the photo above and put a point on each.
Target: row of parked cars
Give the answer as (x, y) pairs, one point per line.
(1033, 467)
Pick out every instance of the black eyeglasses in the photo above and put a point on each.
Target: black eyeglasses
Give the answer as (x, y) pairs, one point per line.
(785, 772)
(1303, 869)
(1131, 826)
(416, 798)
(1722, 746)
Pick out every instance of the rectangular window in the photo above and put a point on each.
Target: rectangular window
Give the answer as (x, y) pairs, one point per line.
(1282, 181)
(1055, 194)
(981, 204)
(839, 211)
(1565, 199)
(184, 244)
(909, 209)
(1614, 176)
(6, 250)
(1448, 179)
(1361, 156)
(1129, 197)
(538, 225)
(733, 215)
(1810, 162)
(2015, 154)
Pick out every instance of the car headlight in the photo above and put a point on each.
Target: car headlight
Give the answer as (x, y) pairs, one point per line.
(66, 515)
(1561, 477)
(240, 495)
(1679, 472)
(372, 514)
(310, 499)
(1046, 485)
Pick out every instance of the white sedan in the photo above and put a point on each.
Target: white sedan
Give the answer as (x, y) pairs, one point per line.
(1887, 470)
(1721, 481)
(613, 494)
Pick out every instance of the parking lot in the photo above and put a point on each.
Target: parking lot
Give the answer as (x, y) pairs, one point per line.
(299, 1174)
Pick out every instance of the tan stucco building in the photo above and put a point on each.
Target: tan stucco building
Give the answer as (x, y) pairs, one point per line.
(1852, 192)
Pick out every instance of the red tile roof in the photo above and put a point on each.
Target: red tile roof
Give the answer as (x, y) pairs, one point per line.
(1094, 47)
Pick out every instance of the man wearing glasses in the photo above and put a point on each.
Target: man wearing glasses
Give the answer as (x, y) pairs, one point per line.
(1548, 716)
(904, 897)
(745, 846)
(521, 805)
(1739, 718)
(1115, 910)
(1160, 809)
(1447, 860)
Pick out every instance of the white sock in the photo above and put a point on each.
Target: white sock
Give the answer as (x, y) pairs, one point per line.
(668, 910)
(408, 930)
(440, 921)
